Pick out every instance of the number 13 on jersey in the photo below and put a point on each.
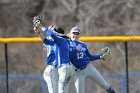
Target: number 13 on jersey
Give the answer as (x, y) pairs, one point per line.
(80, 55)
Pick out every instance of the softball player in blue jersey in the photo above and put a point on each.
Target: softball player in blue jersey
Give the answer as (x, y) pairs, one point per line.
(80, 58)
(51, 72)
(63, 64)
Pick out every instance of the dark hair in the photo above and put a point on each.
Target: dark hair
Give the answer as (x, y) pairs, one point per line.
(65, 37)
(59, 30)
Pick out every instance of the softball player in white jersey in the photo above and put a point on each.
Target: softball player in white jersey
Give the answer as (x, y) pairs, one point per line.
(51, 72)
(80, 58)
(63, 63)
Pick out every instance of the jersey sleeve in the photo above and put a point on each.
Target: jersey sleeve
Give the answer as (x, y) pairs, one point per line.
(48, 42)
(52, 34)
(93, 56)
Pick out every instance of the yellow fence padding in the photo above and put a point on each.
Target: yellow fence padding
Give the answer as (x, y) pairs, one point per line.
(84, 39)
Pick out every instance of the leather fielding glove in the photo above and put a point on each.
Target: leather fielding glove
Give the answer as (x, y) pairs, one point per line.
(106, 53)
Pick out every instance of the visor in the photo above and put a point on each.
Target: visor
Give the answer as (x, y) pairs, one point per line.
(75, 29)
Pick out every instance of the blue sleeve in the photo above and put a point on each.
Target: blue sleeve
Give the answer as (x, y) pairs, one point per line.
(92, 57)
(50, 33)
(48, 42)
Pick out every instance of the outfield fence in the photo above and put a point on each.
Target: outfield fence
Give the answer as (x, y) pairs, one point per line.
(29, 70)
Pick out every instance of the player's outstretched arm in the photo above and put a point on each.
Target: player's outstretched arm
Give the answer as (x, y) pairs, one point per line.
(106, 53)
(93, 56)
(41, 34)
(51, 33)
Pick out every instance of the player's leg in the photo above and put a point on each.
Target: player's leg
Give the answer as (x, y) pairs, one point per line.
(65, 74)
(51, 78)
(93, 73)
(79, 81)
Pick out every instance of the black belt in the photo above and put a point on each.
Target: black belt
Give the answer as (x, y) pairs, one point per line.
(81, 68)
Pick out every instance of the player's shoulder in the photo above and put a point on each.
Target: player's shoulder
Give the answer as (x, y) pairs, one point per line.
(82, 43)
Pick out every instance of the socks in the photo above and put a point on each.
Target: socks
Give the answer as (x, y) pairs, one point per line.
(110, 90)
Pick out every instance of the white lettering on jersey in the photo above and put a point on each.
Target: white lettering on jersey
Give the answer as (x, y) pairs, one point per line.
(80, 55)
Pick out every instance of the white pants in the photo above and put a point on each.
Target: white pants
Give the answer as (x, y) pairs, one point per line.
(93, 73)
(51, 77)
(65, 74)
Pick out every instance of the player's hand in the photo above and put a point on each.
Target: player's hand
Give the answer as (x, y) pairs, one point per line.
(106, 53)
(37, 30)
(52, 27)
(79, 47)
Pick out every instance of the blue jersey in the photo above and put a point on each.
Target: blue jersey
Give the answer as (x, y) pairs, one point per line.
(80, 58)
(62, 47)
(50, 54)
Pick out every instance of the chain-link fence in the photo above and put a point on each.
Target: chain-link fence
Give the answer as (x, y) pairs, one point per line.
(22, 64)
(2, 69)
(134, 57)
(25, 68)
(26, 63)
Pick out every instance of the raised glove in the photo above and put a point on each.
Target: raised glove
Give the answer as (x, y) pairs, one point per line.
(106, 52)
(37, 21)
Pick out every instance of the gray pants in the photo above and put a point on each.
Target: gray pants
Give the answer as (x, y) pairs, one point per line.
(93, 73)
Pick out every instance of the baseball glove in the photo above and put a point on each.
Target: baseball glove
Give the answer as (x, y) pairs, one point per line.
(37, 21)
(106, 52)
